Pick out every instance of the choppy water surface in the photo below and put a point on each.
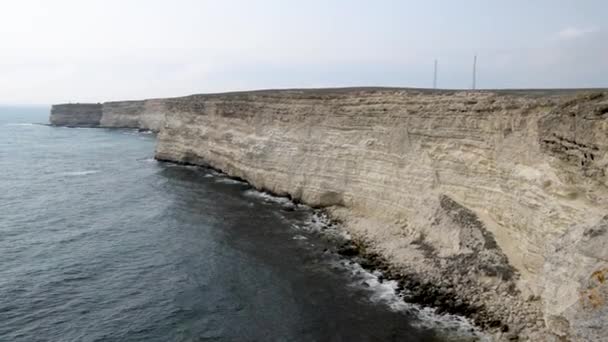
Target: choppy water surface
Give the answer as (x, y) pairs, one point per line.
(99, 242)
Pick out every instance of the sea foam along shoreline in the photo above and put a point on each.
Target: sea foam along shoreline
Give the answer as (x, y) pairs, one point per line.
(367, 270)
(467, 190)
(415, 287)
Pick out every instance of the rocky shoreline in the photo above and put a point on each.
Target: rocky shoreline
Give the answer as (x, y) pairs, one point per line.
(487, 203)
(504, 316)
(448, 296)
(458, 296)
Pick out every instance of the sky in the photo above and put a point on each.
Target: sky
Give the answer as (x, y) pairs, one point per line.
(94, 51)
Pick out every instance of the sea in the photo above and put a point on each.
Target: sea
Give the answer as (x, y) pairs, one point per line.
(101, 242)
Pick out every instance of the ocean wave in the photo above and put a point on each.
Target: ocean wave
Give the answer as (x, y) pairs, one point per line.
(266, 197)
(130, 132)
(211, 173)
(319, 222)
(20, 124)
(181, 166)
(80, 173)
(380, 290)
(214, 173)
(226, 180)
(386, 292)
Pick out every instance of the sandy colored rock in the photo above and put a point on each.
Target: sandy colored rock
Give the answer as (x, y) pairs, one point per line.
(501, 193)
(576, 287)
(147, 114)
(76, 114)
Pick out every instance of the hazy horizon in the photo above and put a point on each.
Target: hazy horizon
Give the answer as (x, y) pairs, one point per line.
(72, 51)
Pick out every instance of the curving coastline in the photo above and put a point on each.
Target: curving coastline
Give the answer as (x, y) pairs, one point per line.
(491, 204)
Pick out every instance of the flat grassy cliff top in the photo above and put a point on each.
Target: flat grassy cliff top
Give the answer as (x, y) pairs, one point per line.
(342, 90)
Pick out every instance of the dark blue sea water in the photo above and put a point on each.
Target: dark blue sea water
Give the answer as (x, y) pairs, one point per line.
(99, 242)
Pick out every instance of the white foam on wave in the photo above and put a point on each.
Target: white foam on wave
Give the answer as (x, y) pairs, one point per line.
(136, 132)
(226, 180)
(212, 174)
(80, 173)
(20, 124)
(181, 166)
(268, 197)
(380, 291)
(386, 291)
(318, 222)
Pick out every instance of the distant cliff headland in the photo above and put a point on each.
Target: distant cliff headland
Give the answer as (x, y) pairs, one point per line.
(492, 204)
(147, 114)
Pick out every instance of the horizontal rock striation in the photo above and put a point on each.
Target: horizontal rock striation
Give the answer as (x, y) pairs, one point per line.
(466, 189)
(497, 199)
(146, 114)
(76, 114)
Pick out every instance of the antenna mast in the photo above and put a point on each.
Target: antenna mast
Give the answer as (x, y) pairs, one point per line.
(435, 76)
(474, 72)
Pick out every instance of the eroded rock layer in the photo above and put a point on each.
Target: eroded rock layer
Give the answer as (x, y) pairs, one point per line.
(146, 114)
(76, 114)
(499, 199)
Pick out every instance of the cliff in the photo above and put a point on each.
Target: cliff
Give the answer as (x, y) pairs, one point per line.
(146, 114)
(497, 199)
(76, 114)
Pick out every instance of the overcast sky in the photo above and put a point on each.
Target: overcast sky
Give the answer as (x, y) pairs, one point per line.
(88, 50)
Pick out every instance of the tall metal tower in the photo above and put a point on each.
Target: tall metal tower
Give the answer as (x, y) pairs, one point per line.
(435, 76)
(474, 72)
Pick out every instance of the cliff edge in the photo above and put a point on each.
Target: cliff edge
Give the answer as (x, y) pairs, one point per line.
(146, 114)
(76, 114)
(495, 200)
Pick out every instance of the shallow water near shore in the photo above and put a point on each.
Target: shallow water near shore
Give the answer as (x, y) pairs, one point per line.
(99, 242)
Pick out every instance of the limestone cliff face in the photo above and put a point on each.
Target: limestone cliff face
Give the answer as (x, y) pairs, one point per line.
(499, 199)
(462, 185)
(146, 114)
(76, 114)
